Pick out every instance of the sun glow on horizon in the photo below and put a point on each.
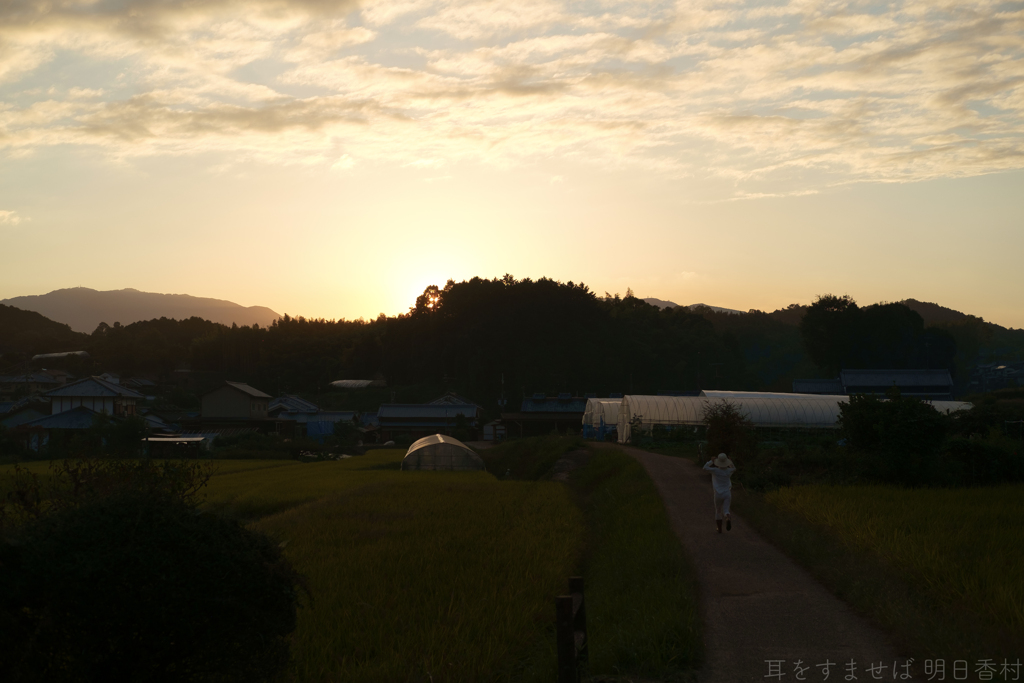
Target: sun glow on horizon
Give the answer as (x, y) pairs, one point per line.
(335, 158)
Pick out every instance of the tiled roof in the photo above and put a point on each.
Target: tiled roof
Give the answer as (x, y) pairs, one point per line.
(243, 387)
(93, 387)
(427, 411)
(77, 418)
(36, 377)
(451, 398)
(293, 404)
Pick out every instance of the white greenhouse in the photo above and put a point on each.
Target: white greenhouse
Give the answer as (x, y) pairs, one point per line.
(600, 417)
(440, 452)
(730, 395)
(779, 411)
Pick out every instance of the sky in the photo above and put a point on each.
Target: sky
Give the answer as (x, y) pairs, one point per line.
(332, 158)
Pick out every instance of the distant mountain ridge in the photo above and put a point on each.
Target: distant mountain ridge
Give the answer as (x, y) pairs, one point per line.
(671, 304)
(83, 309)
(934, 314)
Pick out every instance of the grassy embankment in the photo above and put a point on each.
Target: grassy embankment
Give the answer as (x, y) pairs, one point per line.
(939, 569)
(642, 611)
(642, 591)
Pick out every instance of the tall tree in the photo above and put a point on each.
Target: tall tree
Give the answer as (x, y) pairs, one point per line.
(829, 330)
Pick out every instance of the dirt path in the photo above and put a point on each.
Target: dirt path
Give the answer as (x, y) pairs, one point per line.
(757, 604)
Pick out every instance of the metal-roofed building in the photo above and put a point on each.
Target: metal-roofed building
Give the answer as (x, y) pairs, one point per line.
(21, 414)
(451, 399)
(357, 383)
(930, 384)
(28, 383)
(823, 387)
(542, 414)
(36, 434)
(423, 419)
(76, 418)
(140, 384)
(57, 356)
(292, 404)
(236, 400)
(96, 394)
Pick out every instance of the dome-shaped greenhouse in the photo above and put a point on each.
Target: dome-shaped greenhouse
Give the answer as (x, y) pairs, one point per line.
(440, 452)
(600, 416)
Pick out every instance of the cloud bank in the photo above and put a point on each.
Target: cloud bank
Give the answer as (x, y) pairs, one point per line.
(801, 93)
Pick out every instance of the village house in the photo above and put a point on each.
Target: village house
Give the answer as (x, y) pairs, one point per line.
(96, 394)
(236, 400)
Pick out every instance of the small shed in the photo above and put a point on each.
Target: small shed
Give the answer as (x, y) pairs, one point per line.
(439, 452)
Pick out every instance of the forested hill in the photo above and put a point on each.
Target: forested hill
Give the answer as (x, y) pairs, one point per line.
(541, 336)
(29, 333)
(934, 314)
(977, 341)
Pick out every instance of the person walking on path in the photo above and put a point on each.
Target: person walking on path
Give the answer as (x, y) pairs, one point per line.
(721, 469)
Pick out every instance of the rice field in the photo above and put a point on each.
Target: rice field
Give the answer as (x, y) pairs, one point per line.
(960, 547)
(433, 576)
(450, 576)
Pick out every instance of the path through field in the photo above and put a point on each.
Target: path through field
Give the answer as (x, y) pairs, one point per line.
(757, 604)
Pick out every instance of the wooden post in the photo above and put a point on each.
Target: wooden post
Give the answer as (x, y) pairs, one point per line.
(580, 620)
(571, 632)
(565, 640)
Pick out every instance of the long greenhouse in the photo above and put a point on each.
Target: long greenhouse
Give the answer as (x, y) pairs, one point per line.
(777, 411)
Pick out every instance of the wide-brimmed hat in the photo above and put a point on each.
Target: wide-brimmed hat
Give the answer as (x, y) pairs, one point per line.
(723, 461)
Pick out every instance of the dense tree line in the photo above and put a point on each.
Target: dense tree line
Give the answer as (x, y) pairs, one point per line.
(536, 335)
(838, 334)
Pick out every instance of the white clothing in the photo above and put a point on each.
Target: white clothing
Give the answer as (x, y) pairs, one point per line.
(721, 478)
(722, 504)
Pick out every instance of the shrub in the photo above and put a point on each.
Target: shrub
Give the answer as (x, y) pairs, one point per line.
(347, 435)
(897, 440)
(729, 431)
(72, 483)
(143, 588)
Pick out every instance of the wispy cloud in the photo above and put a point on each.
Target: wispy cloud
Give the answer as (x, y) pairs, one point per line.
(799, 94)
(9, 218)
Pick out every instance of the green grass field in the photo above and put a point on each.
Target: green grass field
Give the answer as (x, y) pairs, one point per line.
(940, 569)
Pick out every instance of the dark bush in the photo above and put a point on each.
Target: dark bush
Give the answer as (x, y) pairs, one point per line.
(973, 462)
(729, 431)
(897, 440)
(72, 483)
(137, 587)
(347, 436)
